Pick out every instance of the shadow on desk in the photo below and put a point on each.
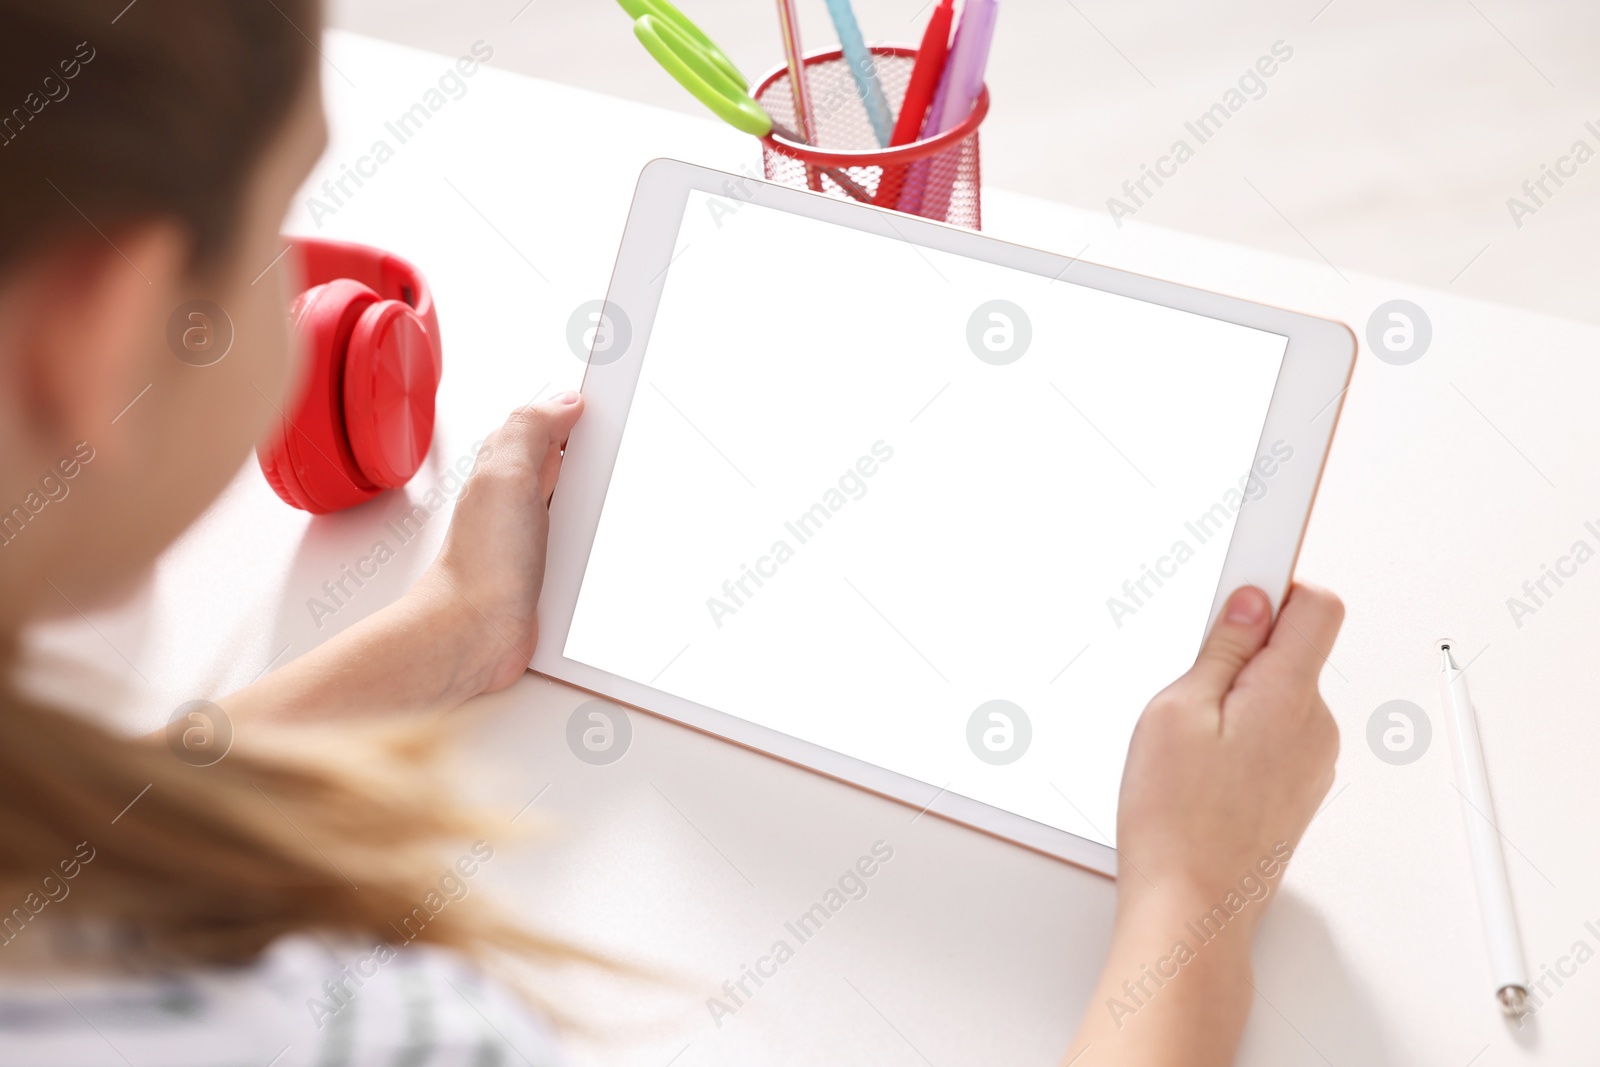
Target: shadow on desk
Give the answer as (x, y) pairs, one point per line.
(1309, 1006)
(353, 563)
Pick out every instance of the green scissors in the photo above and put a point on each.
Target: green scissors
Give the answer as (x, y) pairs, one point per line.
(697, 64)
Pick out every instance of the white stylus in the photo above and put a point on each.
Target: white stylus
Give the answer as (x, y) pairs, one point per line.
(1483, 841)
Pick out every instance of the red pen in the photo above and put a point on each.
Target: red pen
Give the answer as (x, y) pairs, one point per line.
(931, 56)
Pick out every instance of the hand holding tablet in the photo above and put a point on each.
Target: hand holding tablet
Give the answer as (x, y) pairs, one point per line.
(1227, 768)
(1070, 468)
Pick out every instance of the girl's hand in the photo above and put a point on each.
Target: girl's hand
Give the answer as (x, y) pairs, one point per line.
(1229, 762)
(468, 625)
(487, 578)
(1226, 768)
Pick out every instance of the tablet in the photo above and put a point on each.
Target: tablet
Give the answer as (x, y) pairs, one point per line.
(921, 510)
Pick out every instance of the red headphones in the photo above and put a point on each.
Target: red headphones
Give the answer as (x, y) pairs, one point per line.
(362, 420)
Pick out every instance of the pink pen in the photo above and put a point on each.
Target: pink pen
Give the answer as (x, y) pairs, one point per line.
(917, 180)
(958, 92)
(804, 117)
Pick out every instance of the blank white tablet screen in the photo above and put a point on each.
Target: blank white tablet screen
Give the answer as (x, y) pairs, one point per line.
(866, 488)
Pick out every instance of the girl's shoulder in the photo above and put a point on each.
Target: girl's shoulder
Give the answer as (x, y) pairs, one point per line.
(303, 1003)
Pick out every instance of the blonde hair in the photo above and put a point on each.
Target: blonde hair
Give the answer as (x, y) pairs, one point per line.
(306, 829)
(309, 830)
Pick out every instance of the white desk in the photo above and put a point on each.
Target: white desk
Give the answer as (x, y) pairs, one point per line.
(1452, 481)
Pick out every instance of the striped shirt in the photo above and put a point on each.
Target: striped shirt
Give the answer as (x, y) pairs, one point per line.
(303, 1003)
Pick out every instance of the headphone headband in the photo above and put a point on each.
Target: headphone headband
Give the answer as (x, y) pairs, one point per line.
(386, 274)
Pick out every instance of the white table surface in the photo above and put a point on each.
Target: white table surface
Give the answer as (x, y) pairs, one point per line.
(1391, 141)
(1452, 481)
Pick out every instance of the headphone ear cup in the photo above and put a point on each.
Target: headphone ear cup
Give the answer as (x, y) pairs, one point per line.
(391, 375)
(272, 450)
(307, 459)
(269, 460)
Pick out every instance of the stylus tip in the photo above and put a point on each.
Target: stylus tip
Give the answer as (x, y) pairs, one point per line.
(1513, 1000)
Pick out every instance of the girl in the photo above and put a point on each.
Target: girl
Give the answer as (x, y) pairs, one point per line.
(152, 911)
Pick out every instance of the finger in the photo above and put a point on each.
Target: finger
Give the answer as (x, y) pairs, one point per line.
(552, 418)
(541, 428)
(567, 408)
(1304, 634)
(1239, 633)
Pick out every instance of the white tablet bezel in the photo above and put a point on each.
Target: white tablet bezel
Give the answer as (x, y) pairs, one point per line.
(1306, 401)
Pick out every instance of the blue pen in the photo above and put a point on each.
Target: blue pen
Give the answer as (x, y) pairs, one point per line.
(862, 67)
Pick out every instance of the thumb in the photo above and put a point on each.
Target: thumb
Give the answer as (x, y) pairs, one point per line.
(553, 417)
(1240, 632)
(537, 432)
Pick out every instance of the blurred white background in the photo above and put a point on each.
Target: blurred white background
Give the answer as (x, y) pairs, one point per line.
(1389, 143)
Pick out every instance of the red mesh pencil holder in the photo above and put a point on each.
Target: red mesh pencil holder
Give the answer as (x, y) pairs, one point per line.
(937, 178)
